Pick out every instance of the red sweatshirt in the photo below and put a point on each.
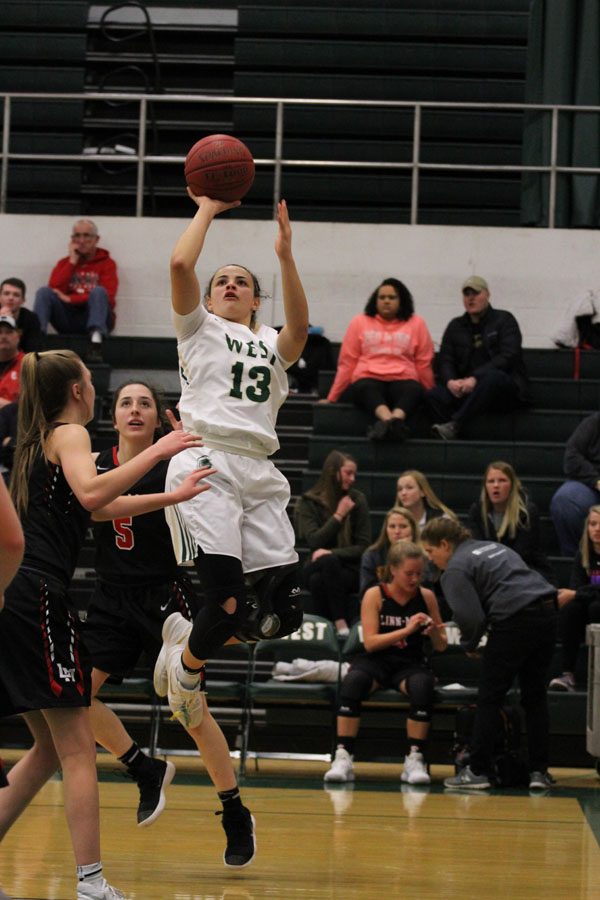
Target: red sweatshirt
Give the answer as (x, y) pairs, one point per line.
(10, 378)
(78, 281)
(386, 350)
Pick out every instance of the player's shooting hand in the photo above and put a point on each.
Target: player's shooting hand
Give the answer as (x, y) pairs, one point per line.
(211, 205)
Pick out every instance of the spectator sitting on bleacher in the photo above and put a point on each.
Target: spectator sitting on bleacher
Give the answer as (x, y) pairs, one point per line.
(80, 296)
(317, 355)
(385, 361)
(332, 519)
(10, 361)
(504, 513)
(580, 603)
(480, 365)
(570, 504)
(398, 525)
(415, 494)
(12, 298)
(396, 615)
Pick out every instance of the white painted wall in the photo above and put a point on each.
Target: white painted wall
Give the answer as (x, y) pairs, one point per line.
(534, 273)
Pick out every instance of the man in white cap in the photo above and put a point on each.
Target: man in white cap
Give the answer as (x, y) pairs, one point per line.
(480, 363)
(10, 361)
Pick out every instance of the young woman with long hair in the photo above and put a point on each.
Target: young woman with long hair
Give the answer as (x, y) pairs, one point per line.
(385, 359)
(396, 616)
(332, 519)
(414, 492)
(505, 513)
(398, 525)
(44, 671)
(233, 381)
(139, 585)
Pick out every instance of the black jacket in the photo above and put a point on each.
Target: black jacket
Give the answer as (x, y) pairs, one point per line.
(502, 342)
(30, 330)
(316, 527)
(582, 452)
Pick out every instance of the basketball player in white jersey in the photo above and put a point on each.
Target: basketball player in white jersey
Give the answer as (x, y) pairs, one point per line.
(233, 380)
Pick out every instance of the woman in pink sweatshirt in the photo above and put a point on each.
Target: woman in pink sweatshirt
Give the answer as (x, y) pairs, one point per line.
(385, 358)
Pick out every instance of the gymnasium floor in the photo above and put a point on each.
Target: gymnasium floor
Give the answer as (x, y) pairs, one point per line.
(374, 840)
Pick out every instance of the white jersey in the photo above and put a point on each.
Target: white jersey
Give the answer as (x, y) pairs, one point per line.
(233, 382)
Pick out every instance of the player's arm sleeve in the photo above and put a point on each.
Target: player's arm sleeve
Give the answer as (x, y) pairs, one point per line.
(186, 326)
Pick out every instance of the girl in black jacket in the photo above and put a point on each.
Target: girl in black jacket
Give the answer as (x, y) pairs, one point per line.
(504, 513)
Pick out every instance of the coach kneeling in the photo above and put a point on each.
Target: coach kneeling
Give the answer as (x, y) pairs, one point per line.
(490, 589)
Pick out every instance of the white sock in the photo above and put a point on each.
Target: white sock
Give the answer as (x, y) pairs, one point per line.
(96, 337)
(91, 874)
(188, 680)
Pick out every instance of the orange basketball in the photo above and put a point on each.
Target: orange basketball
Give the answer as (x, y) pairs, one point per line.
(221, 167)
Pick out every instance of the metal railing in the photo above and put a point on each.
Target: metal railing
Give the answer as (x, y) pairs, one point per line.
(278, 162)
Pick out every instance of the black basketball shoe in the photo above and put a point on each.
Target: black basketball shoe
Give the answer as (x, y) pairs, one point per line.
(241, 839)
(153, 777)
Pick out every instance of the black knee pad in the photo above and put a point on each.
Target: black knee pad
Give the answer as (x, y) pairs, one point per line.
(211, 629)
(356, 687)
(273, 608)
(221, 577)
(420, 687)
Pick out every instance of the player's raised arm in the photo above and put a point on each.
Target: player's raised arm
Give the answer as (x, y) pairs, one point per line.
(292, 337)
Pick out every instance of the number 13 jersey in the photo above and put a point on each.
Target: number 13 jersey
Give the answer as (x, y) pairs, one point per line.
(233, 382)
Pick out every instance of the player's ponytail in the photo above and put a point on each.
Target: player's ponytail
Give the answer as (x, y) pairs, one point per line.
(45, 382)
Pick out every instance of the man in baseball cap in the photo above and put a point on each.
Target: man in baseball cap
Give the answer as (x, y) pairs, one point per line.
(10, 361)
(480, 363)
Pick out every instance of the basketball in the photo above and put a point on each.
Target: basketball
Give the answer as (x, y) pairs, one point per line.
(221, 167)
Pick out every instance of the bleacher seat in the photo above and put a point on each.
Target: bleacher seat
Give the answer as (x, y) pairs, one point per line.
(314, 640)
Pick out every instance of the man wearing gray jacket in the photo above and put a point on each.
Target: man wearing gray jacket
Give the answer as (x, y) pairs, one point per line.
(491, 590)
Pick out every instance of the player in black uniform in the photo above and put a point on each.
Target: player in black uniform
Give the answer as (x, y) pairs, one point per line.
(396, 616)
(44, 670)
(12, 544)
(139, 586)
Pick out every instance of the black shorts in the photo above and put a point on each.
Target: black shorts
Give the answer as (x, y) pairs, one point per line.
(123, 622)
(387, 669)
(43, 661)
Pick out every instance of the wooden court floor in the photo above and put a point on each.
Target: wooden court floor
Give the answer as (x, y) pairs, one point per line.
(374, 840)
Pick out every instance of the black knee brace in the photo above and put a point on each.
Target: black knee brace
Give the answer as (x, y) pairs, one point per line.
(221, 578)
(356, 687)
(273, 608)
(420, 688)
